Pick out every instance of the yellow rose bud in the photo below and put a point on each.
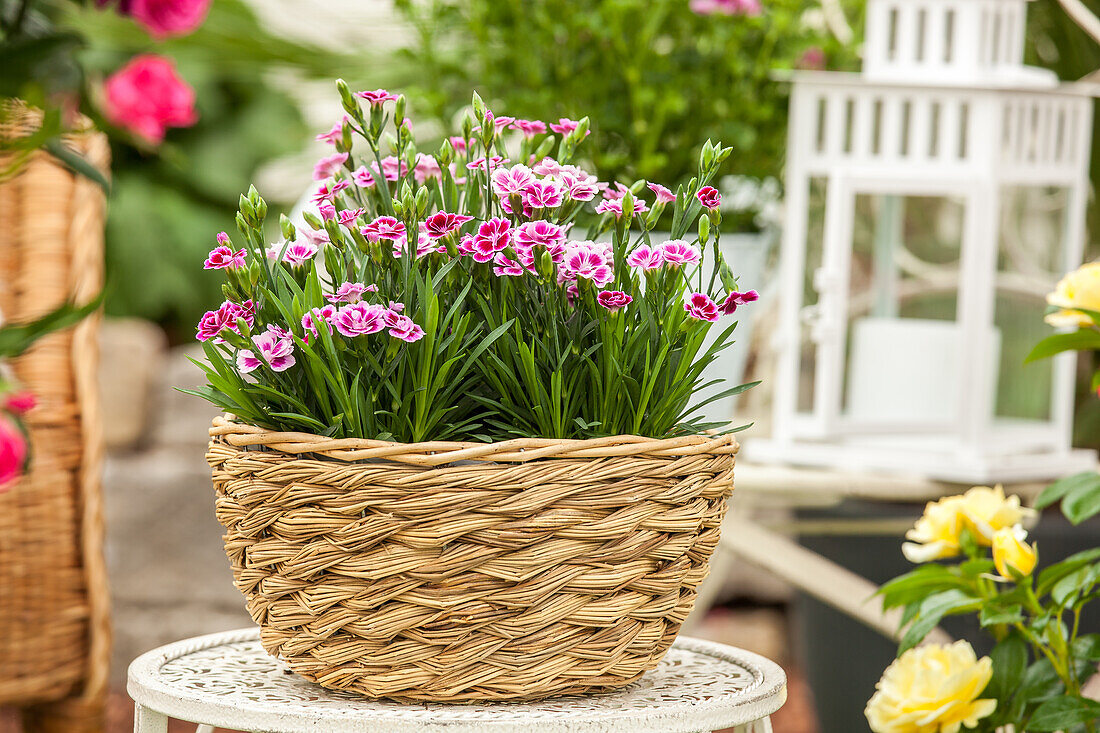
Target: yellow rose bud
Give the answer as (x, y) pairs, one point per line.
(932, 689)
(1011, 553)
(1080, 289)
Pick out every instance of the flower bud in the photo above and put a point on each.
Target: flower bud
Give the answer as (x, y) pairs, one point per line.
(479, 106)
(261, 210)
(706, 156)
(350, 103)
(399, 110)
(628, 206)
(467, 127)
(246, 208)
(287, 228)
(242, 225)
(422, 201)
(545, 148)
(313, 221)
(398, 208)
(704, 230)
(446, 154)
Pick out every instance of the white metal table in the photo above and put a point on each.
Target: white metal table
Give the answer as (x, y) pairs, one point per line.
(228, 681)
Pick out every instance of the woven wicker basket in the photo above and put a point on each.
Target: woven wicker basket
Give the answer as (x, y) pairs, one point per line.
(54, 637)
(454, 572)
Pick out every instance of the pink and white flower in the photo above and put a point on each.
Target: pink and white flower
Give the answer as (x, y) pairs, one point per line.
(564, 126)
(492, 236)
(225, 317)
(458, 143)
(328, 166)
(402, 327)
(384, 227)
(327, 210)
(587, 260)
(615, 206)
(734, 299)
(547, 167)
(530, 128)
(347, 217)
(512, 180)
(223, 257)
(296, 254)
(709, 197)
(613, 300)
(359, 319)
(645, 257)
(663, 194)
(328, 192)
(700, 307)
(441, 224)
(315, 317)
(276, 347)
(349, 292)
(579, 186)
(532, 234)
(377, 97)
(677, 252)
(362, 177)
(545, 194)
(427, 167)
(335, 134)
(505, 266)
(480, 164)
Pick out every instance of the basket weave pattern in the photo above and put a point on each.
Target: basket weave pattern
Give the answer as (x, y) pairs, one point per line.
(456, 572)
(54, 618)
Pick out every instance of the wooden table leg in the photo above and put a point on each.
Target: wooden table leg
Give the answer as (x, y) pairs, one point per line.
(149, 721)
(764, 725)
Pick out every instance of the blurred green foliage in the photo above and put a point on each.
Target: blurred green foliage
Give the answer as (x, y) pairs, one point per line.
(654, 77)
(167, 205)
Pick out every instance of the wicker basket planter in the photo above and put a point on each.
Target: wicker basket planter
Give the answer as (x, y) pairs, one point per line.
(54, 605)
(456, 572)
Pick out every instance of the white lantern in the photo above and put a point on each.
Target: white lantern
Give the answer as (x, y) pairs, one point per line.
(932, 201)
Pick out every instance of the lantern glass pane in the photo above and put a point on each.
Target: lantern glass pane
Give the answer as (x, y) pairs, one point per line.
(815, 239)
(1031, 256)
(903, 345)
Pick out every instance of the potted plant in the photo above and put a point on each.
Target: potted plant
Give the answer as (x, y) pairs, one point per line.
(457, 461)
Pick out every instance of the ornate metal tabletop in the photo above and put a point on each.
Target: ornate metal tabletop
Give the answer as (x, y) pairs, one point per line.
(228, 681)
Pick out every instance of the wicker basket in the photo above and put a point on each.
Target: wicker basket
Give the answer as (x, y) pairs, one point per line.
(54, 638)
(454, 572)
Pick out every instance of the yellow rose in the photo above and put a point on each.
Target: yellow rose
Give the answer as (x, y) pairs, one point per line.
(936, 533)
(1080, 289)
(931, 689)
(987, 510)
(1010, 552)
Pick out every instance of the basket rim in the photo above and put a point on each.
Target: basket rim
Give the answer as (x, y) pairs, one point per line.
(226, 429)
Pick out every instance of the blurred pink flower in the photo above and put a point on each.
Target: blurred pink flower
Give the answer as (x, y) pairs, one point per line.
(726, 7)
(167, 18)
(530, 128)
(615, 206)
(458, 143)
(564, 126)
(328, 193)
(426, 167)
(362, 177)
(701, 307)
(812, 58)
(147, 96)
(275, 346)
(328, 166)
(20, 402)
(13, 452)
(327, 210)
(333, 135)
(479, 164)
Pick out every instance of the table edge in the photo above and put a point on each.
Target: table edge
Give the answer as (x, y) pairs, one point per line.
(770, 695)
